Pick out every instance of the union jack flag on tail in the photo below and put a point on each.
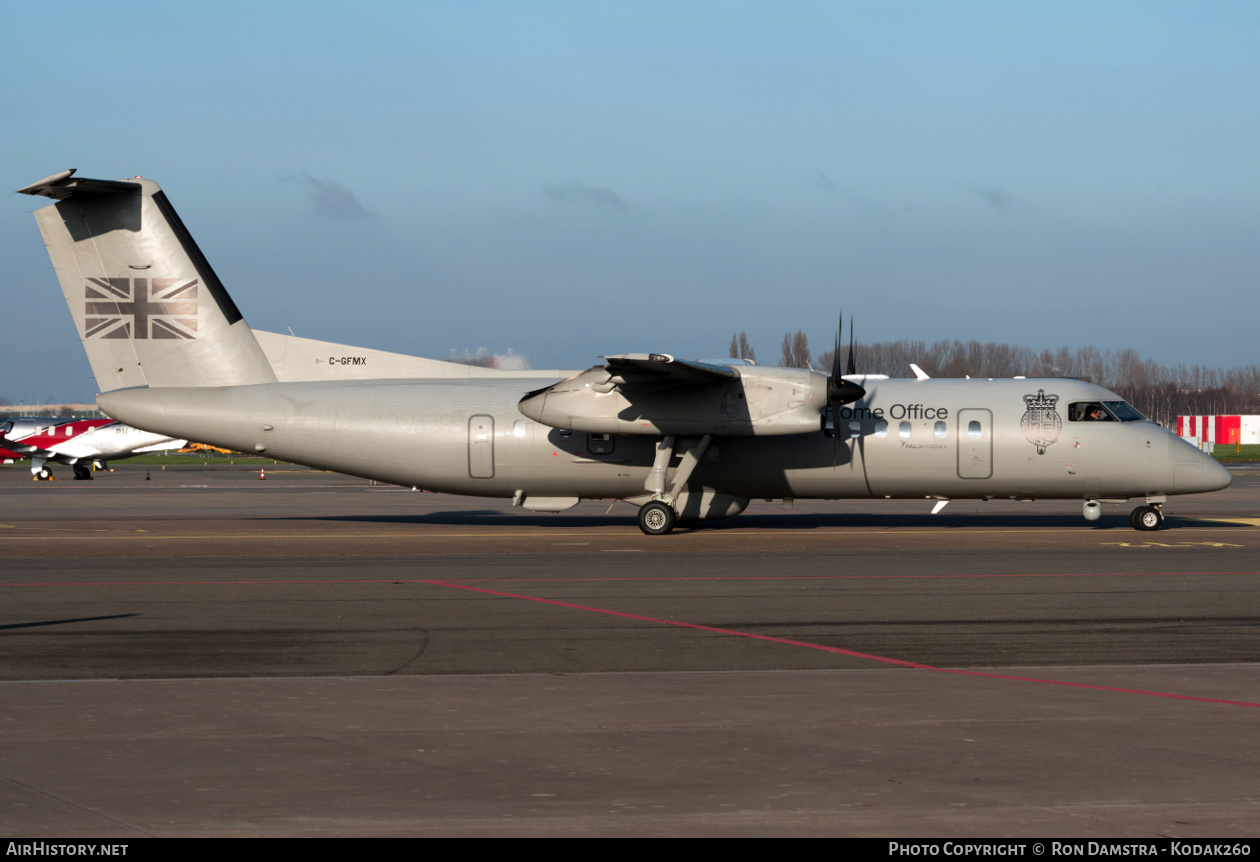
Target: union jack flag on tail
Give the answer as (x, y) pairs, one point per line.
(140, 308)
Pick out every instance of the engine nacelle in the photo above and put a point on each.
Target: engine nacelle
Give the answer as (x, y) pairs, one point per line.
(760, 402)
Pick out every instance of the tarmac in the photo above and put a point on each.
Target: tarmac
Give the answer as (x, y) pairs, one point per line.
(201, 652)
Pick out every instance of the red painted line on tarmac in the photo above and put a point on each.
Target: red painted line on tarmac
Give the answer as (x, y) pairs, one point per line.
(838, 651)
(693, 579)
(1096, 687)
(696, 578)
(695, 626)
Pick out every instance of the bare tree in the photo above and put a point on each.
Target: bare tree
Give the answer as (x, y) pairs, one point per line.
(795, 350)
(741, 349)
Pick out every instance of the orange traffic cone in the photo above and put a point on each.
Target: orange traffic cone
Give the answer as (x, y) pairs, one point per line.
(262, 473)
(147, 477)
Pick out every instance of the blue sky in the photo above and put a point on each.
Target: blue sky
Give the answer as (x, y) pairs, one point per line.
(573, 179)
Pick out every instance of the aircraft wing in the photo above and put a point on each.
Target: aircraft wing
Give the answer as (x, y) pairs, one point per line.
(645, 368)
(24, 450)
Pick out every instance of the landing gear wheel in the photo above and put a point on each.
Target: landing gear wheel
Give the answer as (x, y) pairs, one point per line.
(657, 518)
(43, 474)
(1146, 518)
(81, 471)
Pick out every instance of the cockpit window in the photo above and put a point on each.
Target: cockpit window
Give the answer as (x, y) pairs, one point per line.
(1088, 411)
(1124, 411)
(1103, 411)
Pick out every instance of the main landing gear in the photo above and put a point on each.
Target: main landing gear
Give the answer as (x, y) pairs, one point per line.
(81, 470)
(659, 517)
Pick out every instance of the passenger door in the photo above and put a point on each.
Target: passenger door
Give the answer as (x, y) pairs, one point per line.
(481, 447)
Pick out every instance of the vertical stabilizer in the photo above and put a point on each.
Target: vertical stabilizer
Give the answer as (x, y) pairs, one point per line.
(149, 308)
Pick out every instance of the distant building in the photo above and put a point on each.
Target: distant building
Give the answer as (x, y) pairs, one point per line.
(1219, 429)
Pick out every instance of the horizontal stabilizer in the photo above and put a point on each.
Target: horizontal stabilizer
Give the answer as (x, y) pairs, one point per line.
(63, 185)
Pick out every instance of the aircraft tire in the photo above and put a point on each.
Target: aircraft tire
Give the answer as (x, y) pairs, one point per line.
(657, 518)
(1146, 519)
(43, 474)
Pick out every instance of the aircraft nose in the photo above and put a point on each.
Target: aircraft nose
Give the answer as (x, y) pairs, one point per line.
(1216, 476)
(1201, 474)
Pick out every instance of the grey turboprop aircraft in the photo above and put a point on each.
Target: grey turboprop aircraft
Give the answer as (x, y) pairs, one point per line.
(681, 440)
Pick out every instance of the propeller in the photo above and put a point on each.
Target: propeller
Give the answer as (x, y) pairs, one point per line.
(839, 390)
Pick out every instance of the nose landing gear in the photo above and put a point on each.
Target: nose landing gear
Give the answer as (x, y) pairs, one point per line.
(1146, 518)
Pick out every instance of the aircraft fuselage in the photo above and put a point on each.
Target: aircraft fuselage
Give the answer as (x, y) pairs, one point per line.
(906, 438)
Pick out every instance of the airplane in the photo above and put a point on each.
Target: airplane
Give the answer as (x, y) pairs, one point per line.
(683, 440)
(80, 443)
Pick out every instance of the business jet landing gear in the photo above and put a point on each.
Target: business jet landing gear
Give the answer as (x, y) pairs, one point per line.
(1146, 518)
(658, 517)
(81, 471)
(38, 470)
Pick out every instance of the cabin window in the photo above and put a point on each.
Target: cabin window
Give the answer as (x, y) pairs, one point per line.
(904, 430)
(69, 430)
(973, 429)
(518, 428)
(881, 429)
(601, 444)
(939, 430)
(855, 429)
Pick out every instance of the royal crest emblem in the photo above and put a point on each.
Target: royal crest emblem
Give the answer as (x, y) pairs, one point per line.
(140, 308)
(1041, 423)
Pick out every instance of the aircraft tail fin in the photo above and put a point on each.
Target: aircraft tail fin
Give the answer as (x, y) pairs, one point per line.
(146, 302)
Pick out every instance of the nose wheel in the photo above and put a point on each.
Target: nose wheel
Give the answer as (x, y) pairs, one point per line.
(1146, 518)
(657, 518)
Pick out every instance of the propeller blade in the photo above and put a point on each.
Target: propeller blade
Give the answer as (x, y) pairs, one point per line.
(835, 356)
(852, 361)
